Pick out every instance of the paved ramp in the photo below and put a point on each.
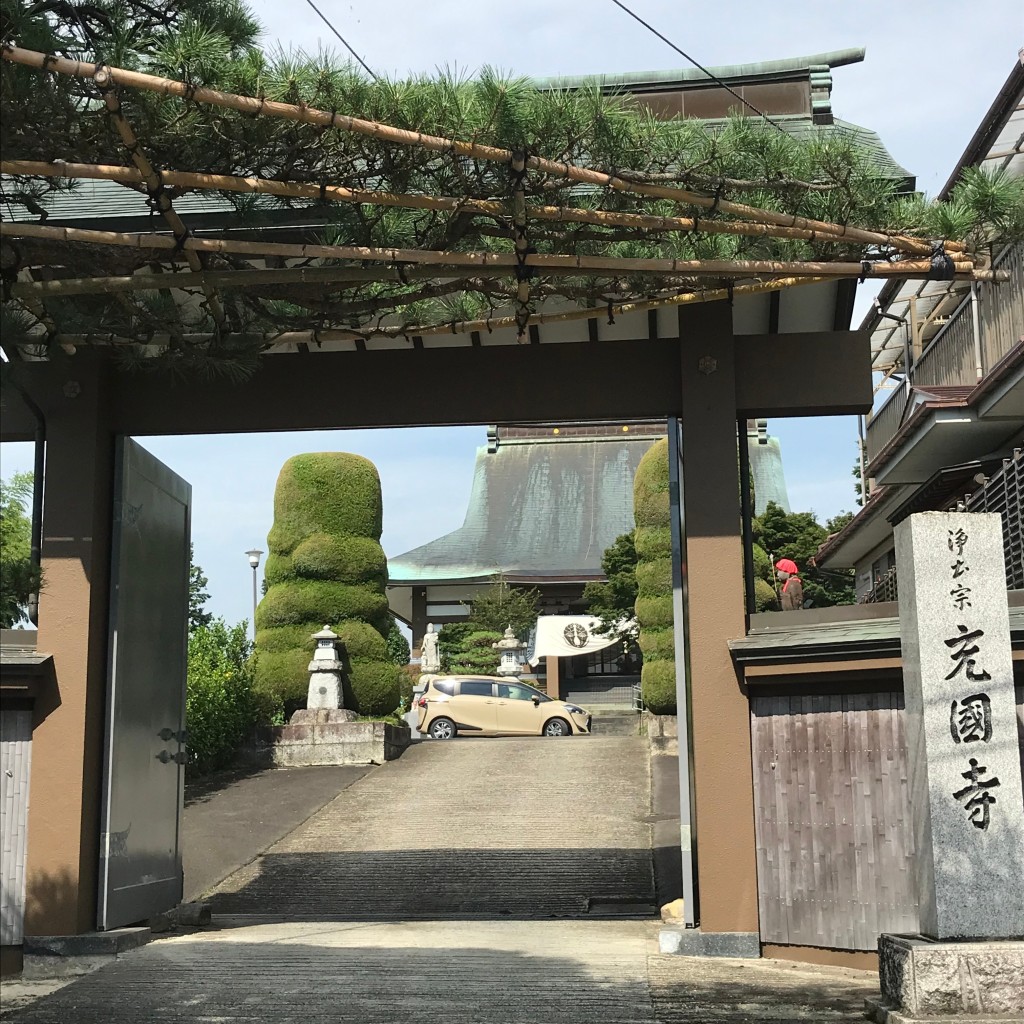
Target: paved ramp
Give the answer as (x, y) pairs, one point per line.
(444, 972)
(519, 828)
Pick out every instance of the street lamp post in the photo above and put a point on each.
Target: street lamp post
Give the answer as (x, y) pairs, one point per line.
(254, 561)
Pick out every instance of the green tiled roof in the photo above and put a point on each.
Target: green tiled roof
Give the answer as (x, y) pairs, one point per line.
(760, 71)
(546, 509)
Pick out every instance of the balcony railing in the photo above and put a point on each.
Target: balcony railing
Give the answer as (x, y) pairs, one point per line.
(983, 329)
(885, 588)
(1003, 492)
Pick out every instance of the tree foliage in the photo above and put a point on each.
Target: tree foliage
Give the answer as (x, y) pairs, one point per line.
(398, 646)
(613, 601)
(798, 535)
(502, 605)
(198, 595)
(826, 174)
(19, 578)
(221, 708)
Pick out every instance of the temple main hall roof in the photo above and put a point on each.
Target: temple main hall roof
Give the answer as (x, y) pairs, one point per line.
(544, 504)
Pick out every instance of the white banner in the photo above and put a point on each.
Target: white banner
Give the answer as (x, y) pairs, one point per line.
(566, 636)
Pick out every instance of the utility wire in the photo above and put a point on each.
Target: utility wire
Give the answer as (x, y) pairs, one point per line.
(344, 43)
(700, 67)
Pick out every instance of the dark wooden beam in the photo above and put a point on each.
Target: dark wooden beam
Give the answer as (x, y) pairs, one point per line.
(822, 373)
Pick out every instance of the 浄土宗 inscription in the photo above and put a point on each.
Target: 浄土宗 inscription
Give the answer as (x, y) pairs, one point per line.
(962, 743)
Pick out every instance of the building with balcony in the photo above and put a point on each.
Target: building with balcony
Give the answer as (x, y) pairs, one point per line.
(949, 427)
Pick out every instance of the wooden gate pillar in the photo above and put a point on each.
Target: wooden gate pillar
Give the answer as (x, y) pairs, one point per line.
(65, 794)
(726, 864)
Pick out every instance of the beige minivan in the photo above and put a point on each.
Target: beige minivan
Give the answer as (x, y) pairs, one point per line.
(491, 706)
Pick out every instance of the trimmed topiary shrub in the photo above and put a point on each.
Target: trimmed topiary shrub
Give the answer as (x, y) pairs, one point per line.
(341, 559)
(653, 541)
(762, 564)
(326, 565)
(658, 644)
(328, 492)
(654, 612)
(372, 687)
(765, 598)
(362, 642)
(654, 577)
(658, 687)
(297, 601)
(281, 676)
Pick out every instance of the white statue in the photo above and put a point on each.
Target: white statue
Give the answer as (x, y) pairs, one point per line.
(430, 660)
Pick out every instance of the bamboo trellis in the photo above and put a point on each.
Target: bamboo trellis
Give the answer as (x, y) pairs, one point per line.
(682, 281)
(262, 107)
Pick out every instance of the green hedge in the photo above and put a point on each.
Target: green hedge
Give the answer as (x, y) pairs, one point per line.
(330, 492)
(282, 675)
(762, 564)
(657, 645)
(341, 559)
(300, 601)
(654, 577)
(653, 542)
(658, 687)
(765, 598)
(654, 612)
(372, 687)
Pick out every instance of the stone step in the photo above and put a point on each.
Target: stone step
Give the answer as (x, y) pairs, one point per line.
(615, 723)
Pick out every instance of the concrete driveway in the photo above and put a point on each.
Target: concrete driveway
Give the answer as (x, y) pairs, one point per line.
(470, 881)
(444, 972)
(527, 828)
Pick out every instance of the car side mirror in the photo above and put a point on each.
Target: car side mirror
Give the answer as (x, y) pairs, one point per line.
(536, 701)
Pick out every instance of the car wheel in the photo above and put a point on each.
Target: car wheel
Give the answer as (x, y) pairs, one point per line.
(442, 729)
(556, 727)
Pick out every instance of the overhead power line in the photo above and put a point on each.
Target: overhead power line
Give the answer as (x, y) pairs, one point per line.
(344, 42)
(700, 67)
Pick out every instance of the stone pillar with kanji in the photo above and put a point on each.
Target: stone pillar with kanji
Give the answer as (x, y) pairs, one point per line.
(966, 804)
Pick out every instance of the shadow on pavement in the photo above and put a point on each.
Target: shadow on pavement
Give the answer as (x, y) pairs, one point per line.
(389, 885)
(218, 978)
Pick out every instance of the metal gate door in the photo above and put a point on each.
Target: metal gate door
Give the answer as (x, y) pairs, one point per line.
(140, 855)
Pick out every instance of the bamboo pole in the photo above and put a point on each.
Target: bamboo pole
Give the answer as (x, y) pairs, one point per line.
(343, 276)
(340, 194)
(38, 310)
(455, 147)
(582, 264)
(522, 244)
(154, 185)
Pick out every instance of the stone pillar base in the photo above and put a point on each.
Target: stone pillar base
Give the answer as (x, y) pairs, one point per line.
(323, 736)
(694, 942)
(923, 979)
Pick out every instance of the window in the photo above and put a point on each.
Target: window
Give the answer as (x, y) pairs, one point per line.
(513, 691)
(476, 688)
(445, 686)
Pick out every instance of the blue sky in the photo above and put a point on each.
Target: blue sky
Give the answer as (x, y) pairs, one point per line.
(931, 72)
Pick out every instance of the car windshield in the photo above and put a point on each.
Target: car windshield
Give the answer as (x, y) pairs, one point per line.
(520, 691)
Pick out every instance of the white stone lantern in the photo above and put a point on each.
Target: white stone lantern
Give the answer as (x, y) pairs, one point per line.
(325, 672)
(511, 648)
